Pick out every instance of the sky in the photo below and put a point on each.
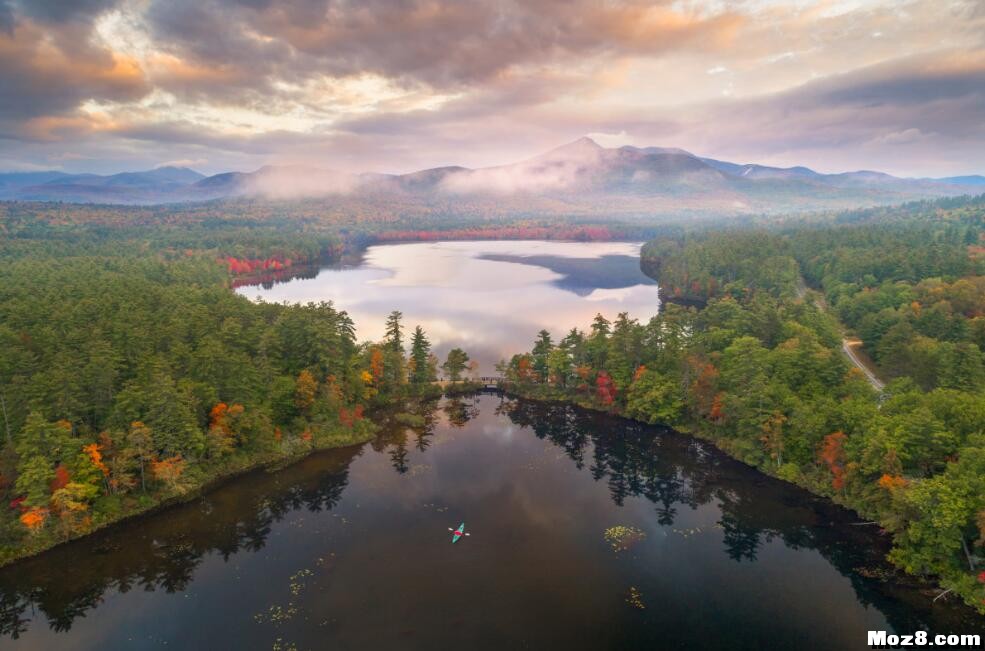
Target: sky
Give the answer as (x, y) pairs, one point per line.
(398, 85)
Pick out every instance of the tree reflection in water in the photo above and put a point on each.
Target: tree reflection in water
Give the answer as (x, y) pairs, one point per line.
(672, 471)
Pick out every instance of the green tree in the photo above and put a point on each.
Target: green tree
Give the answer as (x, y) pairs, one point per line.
(420, 348)
(34, 478)
(455, 364)
(394, 337)
(654, 398)
(541, 351)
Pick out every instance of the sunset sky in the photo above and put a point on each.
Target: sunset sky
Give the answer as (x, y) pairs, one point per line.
(112, 85)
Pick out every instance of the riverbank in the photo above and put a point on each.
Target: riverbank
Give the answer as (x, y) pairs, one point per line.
(930, 587)
(115, 510)
(147, 504)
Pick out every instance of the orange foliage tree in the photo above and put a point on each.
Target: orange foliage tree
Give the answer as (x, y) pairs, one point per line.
(168, 470)
(34, 518)
(833, 456)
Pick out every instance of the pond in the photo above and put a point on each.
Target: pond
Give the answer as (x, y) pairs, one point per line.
(489, 298)
(586, 532)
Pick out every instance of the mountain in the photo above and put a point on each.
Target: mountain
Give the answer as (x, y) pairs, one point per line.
(160, 185)
(975, 179)
(581, 177)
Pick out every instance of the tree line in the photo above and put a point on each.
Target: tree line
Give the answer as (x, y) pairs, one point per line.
(753, 363)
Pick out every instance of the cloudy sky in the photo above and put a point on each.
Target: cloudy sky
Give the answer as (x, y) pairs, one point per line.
(397, 85)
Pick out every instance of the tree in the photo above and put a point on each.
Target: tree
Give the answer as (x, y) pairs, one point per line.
(376, 364)
(420, 349)
(34, 480)
(455, 364)
(71, 503)
(541, 351)
(140, 442)
(305, 390)
(40, 438)
(654, 398)
(169, 471)
(559, 366)
(832, 454)
(394, 332)
(605, 388)
(597, 345)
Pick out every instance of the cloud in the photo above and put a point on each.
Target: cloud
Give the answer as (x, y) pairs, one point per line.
(48, 72)
(183, 162)
(442, 45)
(394, 85)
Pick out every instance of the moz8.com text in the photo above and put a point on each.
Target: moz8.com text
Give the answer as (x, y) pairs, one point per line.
(886, 640)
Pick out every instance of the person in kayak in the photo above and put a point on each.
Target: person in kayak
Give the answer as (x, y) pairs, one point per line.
(458, 533)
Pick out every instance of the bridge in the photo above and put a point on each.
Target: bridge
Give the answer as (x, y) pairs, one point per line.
(490, 381)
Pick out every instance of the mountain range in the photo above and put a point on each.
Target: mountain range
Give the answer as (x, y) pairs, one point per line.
(579, 177)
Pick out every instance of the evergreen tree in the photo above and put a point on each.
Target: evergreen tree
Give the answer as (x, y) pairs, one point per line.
(420, 349)
(394, 337)
(542, 349)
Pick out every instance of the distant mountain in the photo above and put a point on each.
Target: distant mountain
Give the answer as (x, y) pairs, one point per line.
(580, 177)
(161, 185)
(975, 179)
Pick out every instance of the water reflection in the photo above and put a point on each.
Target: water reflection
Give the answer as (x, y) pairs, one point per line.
(529, 475)
(481, 296)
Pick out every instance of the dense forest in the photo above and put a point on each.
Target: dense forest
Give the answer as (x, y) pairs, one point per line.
(131, 375)
(747, 353)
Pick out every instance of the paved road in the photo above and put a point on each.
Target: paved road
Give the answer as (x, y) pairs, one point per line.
(849, 350)
(846, 344)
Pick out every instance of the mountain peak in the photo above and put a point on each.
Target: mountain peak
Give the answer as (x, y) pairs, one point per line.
(583, 143)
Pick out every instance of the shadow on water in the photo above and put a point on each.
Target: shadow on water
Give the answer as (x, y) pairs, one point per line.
(162, 551)
(675, 471)
(675, 474)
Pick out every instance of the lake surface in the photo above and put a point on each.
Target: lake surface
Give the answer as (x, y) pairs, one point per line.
(489, 298)
(351, 549)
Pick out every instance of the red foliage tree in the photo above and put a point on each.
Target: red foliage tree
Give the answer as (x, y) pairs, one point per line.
(833, 456)
(605, 388)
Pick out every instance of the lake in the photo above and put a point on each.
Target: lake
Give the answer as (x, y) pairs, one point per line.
(489, 298)
(351, 549)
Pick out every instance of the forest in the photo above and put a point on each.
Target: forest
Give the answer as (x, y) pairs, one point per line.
(130, 375)
(747, 353)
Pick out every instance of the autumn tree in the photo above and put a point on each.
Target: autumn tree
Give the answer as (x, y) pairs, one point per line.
(305, 390)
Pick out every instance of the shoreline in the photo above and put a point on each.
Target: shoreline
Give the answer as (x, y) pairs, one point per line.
(917, 583)
(267, 462)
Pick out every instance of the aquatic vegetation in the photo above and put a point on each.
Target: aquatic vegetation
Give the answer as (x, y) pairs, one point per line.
(622, 538)
(297, 583)
(634, 598)
(277, 614)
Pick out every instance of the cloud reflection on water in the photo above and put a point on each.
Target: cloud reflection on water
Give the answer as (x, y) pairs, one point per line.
(491, 308)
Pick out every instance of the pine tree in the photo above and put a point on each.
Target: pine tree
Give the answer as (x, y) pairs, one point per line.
(541, 351)
(394, 332)
(420, 348)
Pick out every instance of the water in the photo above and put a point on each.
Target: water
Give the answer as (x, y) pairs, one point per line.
(350, 549)
(489, 298)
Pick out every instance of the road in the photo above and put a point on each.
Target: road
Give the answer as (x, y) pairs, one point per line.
(847, 345)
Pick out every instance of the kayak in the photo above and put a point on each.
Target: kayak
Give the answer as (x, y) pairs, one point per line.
(458, 533)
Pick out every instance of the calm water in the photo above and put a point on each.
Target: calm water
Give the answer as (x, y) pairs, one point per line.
(350, 549)
(490, 298)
